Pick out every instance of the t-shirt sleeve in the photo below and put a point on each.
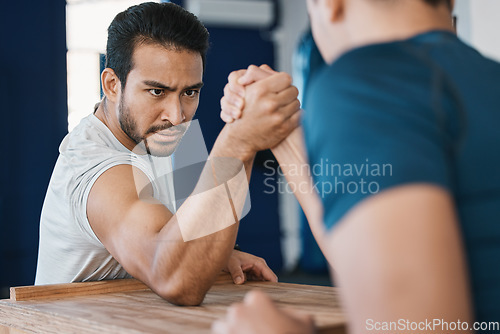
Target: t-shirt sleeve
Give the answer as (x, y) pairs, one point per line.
(366, 131)
(87, 173)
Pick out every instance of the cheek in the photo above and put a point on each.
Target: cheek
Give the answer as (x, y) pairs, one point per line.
(318, 32)
(190, 108)
(142, 114)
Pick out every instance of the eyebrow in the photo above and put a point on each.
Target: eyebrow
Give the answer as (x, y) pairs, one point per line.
(157, 84)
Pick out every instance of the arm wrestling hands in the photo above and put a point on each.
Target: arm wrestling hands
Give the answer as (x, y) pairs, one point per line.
(257, 313)
(283, 108)
(154, 250)
(383, 235)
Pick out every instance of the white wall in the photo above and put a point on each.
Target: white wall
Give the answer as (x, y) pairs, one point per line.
(479, 25)
(86, 29)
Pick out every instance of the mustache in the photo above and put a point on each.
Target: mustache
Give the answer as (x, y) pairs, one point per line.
(175, 128)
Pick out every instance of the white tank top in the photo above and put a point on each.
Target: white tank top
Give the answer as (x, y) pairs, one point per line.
(69, 251)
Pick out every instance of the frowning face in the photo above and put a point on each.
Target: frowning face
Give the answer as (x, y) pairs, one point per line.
(160, 97)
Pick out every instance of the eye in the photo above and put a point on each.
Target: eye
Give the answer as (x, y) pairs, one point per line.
(156, 92)
(191, 93)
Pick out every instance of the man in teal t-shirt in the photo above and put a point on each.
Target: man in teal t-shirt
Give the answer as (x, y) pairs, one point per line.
(401, 131)
(419, 113)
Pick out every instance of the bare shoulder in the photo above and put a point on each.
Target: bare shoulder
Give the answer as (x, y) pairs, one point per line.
(120, 183)
(121, 197)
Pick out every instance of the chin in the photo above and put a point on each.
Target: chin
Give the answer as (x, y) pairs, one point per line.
(162, 149)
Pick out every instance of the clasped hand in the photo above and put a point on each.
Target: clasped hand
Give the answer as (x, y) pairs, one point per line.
(261, 105)
(258, 314)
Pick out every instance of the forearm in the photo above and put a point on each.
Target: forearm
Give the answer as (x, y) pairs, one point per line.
(203, 231)
(291, 155)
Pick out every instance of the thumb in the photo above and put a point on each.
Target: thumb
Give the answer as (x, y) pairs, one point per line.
(234, 268)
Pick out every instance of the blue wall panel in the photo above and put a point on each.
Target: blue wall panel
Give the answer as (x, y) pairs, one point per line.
(34, 120)
(233, 49)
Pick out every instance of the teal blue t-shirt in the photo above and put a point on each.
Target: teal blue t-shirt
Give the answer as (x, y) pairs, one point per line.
(422, 110)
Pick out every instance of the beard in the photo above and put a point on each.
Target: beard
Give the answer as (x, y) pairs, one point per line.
(147, 141)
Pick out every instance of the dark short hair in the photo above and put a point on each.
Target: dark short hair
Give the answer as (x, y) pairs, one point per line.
(439, 2)
(166, 24)
(434, 3)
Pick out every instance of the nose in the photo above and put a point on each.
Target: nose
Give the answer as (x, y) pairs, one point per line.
(172, 111)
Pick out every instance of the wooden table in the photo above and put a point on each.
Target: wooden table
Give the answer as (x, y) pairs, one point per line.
(128, 306)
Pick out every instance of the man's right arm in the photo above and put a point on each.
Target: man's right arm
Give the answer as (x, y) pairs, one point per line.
(290, 153)
(147, 239)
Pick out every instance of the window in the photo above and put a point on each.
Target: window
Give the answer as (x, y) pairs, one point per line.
(86, 27)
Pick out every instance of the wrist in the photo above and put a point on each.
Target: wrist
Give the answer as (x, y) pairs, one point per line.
(228, 144)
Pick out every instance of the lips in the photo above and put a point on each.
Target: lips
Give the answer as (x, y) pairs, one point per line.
(168, 136)
(169, 133)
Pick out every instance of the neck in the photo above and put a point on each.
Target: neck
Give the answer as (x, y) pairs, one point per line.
(102, 113)
(378, 22)
(106, 113)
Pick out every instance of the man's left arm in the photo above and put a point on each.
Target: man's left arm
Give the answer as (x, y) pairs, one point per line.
(397, 257)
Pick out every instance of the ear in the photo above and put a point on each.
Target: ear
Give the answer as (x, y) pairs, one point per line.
(335, 10)
(111, 85)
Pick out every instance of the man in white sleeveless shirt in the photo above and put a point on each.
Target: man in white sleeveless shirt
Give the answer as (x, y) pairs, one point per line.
(109, 212)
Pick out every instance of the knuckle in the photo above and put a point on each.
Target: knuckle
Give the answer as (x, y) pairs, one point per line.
(286, 78)
(270, 106)
(223, 116)
(232, 76)
(252, 68)
(226, 117)
(256, 90)
(223, 103)
(277, 119)
(296, 104)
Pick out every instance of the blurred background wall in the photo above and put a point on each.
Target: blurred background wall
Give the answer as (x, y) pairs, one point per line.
(33, 122)
(51, 58)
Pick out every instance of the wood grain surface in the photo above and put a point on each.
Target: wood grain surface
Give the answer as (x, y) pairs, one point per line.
(74, 289)
(33, 292)
(103, 309)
